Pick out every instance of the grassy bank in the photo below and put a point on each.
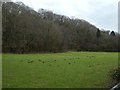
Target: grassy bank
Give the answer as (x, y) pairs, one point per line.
(61, 70)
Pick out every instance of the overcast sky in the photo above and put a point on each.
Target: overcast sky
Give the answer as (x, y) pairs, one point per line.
(102, 13)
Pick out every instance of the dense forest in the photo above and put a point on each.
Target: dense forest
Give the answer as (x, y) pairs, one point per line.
(29, 31)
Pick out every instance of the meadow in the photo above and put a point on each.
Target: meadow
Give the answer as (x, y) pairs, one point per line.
(58, 70)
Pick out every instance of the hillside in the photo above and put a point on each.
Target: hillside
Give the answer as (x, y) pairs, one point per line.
(28, 31)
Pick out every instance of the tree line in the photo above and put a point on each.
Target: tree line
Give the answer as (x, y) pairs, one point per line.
(28, 31)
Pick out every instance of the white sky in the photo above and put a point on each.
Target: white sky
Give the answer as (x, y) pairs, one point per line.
(101, 13)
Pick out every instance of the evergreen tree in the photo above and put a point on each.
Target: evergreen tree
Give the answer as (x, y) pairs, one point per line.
(98, 34)
(112, 33)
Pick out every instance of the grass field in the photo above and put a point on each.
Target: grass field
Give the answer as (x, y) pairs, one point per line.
(59, 70)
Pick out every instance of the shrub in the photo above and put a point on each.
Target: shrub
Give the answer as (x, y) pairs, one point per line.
(116, 74)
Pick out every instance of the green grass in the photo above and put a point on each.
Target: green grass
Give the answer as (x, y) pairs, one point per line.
(60, 70)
